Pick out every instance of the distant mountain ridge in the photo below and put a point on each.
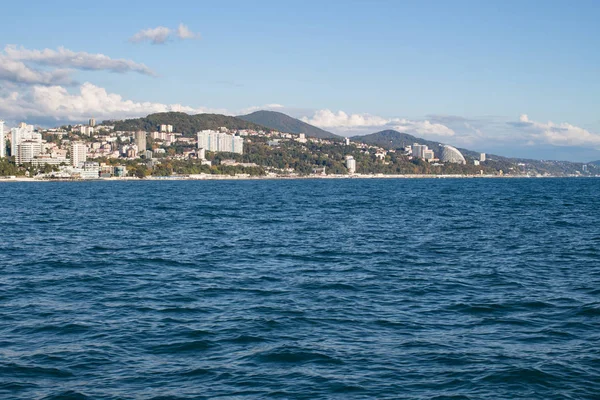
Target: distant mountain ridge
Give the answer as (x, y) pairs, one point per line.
(184, 123)
(391, 139)
(284, 123)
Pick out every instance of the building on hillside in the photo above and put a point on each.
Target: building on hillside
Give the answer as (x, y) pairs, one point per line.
(27, 150)
(166, 128)
(48, 159)
(78, 154)
(140, 141)
(428, 155)
(2, 140)
(351, 164)
(417, 150)
(421, 151)
(301, 138)
(347, 141)
(87, 130)
(92, 122)
(210, 140)
(452, 155)
(482, 157)
(21, 133)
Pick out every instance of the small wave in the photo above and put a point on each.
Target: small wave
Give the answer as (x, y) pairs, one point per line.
(67, 395)
(178, 347)
(295, 356)
(33, 371)
(520, 375)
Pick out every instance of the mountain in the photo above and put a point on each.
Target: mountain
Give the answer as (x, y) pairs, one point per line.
(184, 123)
(284, 123)
(390, 139)
(595, 162)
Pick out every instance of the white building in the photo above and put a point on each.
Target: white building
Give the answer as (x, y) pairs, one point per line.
(2, 140)
(21, 133)
(417, 150)
(27, 150)
(158, 135)
(347, 141)
(92, 122)
(428, 154)
(48, 159)
(166, 128)
(86, 130)
(90, 170)
(301, 138)
(220, 142)
(78, 153)
(452, 155)
(351, 164)
(482, 157)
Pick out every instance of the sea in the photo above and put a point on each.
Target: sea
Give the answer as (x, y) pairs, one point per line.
(301, 289)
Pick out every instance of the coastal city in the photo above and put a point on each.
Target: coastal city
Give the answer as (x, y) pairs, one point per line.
(105, 151)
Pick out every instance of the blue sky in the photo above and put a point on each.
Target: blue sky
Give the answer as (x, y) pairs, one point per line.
(513, 77)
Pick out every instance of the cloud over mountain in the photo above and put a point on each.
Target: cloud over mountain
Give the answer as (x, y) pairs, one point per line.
(342, 121)
(562, 134)
(58, 103)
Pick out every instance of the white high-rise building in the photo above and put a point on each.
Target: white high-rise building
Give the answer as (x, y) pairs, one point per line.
(220, 142)
(417, 150)
(2, 140)
(78, 154)
(27, 150)
(25, 143)
(351, 164)
(21, 133)
(482, 157)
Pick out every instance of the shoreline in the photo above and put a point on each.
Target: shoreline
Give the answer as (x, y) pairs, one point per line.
(208, 177)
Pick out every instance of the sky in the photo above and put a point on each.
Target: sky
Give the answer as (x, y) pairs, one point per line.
(516, 78)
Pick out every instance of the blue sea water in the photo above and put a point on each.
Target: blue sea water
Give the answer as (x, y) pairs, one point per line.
(310, 289)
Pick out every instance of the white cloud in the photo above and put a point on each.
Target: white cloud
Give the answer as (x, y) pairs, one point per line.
(65, 58)
(158, 35)
(329, 119)
(18, 72)
(58, 103)
(342, 121)
(162, 34)
(426, 128)
(563, 134)
(183, 32)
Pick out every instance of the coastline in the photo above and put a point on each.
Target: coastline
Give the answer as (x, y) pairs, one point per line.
(208, 177)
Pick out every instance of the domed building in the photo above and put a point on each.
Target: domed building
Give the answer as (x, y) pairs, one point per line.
(452, 155)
